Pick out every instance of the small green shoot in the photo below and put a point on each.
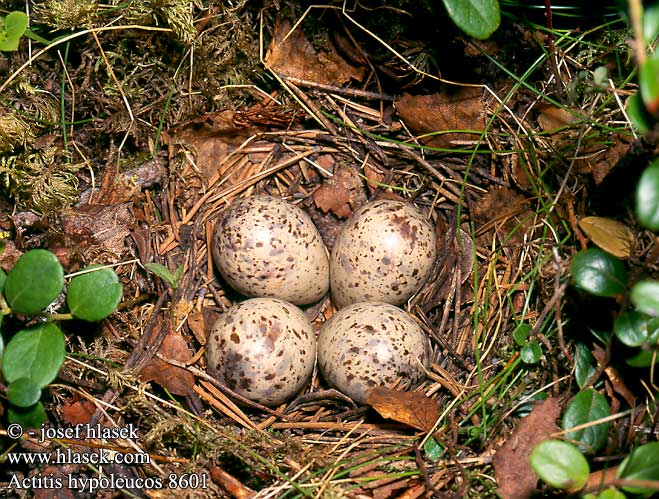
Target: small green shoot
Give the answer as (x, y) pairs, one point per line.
(12, 28)
(584, 364)
(560, 464)
(588, 405)
(598, 273)
(164, 273)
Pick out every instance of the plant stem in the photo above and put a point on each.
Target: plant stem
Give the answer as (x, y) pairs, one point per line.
(636, 16)
(58, 317)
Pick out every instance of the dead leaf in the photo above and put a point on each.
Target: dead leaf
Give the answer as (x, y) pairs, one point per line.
(201, 321)
(512, 470)
(427, 114)
(612, 236)
(292, 54)
(341, 194)
(411, 408)
(552, 119)
(177, 380)
(97, 228)
(79, 412)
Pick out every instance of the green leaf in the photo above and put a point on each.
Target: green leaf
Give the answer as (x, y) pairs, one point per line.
(598, 272)
(94, 295)
(642, 359)
(164, 273)
(29, 417)
(477, 18)
(34, 282)
(585, 364)
(647, 197)
(531, 353)
(36, 353)
(521, 334)
(641, 464)
(645, 297)
(651, 22)
(23, 392)
(637, 113)
(610, 493)
(560, 464)
(648, 81)
(433, 449)
(3, 278)
(634, 328)
(587, 406)
(15, 25)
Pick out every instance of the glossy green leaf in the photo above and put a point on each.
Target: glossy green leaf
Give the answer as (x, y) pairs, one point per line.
(34, 282)
(647, 197)
(598, 272)
(587, 406)
(638, 115)
(11, 29)
(641, 464)
(643, 359)
(36, 353)
(651, 22)
(28, 417)
(433, 449)
(477, 18)
(94, 295)
(521, 334)
(3, 278)
(531, 353)
(585, 364)
(634, 328)
(645, 297)
(560, 464)
(648, 81)
(23, 392)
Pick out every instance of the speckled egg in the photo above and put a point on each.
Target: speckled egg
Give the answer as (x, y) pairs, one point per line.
(385, 252)
(367, 344)
(265, 246)
(264, 349)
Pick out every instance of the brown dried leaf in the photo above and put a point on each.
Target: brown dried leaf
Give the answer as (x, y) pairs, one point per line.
(292, 54)
(79, 412)
(612, 236)
(427, 114)
(97, 228)
(411, 408)
(341, 194)
(512, 470)
(552, 118)
(177, 380)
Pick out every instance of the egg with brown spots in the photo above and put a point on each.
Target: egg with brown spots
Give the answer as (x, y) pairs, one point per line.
(263, 349)
(385, 252)
(366, 345)
(264, 246)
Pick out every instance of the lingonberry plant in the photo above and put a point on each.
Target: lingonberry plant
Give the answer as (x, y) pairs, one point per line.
(35, 353)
